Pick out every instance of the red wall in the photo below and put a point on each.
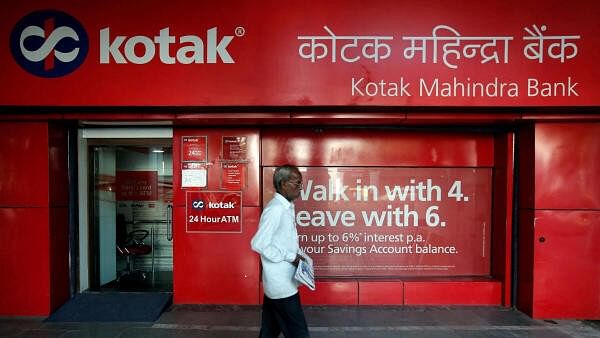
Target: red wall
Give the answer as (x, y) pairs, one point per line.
(375, 147)
(385, 147)
(58, 216)
(560, 221)
(33, 218)
(216, 268)
(502, 208)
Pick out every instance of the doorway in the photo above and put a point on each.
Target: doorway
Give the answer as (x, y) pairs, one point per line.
(130, 234)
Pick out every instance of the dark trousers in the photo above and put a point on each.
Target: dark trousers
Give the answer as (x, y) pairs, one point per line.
(283, 315)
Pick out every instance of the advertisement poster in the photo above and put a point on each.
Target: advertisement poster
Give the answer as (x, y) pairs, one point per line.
(233, 176)
(194, 149)
(371, 222)
(213, 211)
(235, 148)
(137, 185)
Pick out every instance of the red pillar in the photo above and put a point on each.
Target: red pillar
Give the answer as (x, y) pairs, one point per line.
(33, 218)
(559, 275)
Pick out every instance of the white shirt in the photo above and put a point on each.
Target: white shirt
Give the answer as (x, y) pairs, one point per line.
(277, 243)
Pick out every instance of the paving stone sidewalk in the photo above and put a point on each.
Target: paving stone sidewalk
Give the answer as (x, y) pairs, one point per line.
(201, 321)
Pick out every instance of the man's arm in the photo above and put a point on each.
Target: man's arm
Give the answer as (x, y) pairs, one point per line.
(263, 243)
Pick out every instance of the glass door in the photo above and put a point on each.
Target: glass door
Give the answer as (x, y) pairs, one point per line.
(131, 238)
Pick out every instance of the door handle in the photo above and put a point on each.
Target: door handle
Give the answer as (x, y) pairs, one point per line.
(169, 222)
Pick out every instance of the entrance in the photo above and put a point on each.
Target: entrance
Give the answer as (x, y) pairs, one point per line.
(130, 215)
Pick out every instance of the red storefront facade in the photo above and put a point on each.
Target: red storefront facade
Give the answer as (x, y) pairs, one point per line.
(450, 153)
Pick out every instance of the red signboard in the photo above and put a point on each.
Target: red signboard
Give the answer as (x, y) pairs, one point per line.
(194, 149)
(235, 148)
(213, 211)
(233, 176)
(351, 52)
(394, 221)
(137, 185)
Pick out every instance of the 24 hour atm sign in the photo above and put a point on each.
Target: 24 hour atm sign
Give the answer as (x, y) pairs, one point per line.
(213, 211)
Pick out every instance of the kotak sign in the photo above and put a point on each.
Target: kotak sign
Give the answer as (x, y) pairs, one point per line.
(189, 48)
(213, 211)
(48, 37)
(380, 53)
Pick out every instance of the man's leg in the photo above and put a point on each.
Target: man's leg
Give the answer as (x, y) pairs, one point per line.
(291, 317)
(269, 327)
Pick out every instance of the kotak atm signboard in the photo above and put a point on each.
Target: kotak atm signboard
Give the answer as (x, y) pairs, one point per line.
(394, 221)
(339, 53)
(213, 211)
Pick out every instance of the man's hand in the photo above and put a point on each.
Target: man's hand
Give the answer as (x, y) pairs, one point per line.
(297, 260)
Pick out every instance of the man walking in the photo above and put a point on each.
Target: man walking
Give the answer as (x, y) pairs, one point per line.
(277, 243)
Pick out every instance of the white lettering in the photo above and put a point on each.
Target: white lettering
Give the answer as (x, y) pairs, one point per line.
(217, 219)
(380, 88)
(221, 205)
(194, 50)
(148, 49)
(334, 191)
(215, 49)
(164, 40)
(320, 218)
(468, 88)
(355, 90)
(548, 89)
(108, 49)
(190, 49)
(391, 217)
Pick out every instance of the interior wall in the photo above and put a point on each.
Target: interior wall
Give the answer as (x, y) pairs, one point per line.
(148, 215)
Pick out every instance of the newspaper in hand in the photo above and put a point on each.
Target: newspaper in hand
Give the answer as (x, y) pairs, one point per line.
(305, 273)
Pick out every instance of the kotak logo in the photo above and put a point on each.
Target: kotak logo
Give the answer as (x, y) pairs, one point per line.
(141, 49)
(198, 204)
(49, 43)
